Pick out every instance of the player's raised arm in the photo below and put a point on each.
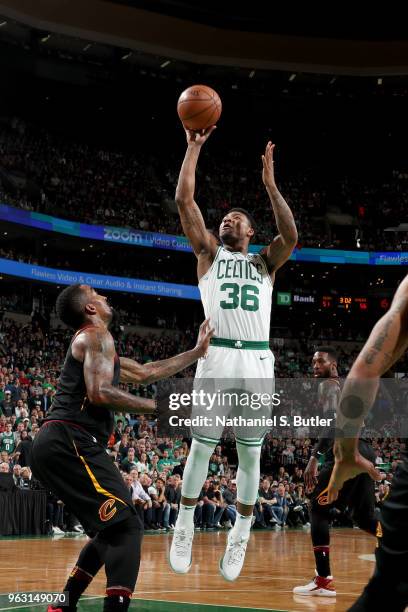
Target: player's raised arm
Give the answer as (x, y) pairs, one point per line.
(201, 239)
(387, 343)
(283, 244)
(98, 352)
(132, 371)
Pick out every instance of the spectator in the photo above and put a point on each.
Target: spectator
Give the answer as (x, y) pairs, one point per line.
(229, 495)
(159, 504)
(179, 469)
(142, 465)
(23, 449)
(17, 475)
(129, 462)
(173, 496)
(7, 405)
(8, 439)
(282, 502)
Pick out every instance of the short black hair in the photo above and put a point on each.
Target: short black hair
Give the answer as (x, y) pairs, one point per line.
(332, 353)
(247, 214)
(69, 306)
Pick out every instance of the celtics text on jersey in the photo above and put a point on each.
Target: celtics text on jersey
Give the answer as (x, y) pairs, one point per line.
(236, 293)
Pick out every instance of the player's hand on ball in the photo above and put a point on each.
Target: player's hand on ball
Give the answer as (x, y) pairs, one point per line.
(268, 174)
(198, 137)
(204, 336)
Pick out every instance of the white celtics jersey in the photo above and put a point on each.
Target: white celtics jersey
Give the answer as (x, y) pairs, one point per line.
(237, 296)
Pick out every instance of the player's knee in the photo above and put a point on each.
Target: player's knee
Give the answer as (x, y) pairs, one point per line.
(248, 457)
(200, 454)
(319, 512)
(201, 451)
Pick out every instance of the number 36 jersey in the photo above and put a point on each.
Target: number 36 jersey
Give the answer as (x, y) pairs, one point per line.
(237, 296)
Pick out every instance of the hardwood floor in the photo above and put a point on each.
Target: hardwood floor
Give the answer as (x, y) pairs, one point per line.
(275, 563)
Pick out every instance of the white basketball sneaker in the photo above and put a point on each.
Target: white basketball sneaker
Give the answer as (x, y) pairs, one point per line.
(180, 551)
(233, 560)
(322, 587)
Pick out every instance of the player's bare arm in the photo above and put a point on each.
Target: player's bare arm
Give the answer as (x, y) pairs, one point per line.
(95, 347)
(132, 371)
(280, 249)
(202, 241)
(387, 343)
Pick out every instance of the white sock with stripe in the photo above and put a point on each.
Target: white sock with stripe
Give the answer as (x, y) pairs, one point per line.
(186, 516)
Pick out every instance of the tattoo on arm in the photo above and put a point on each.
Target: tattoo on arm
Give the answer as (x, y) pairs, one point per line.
(282, 246)
(190, 214)
(98, 374)
(389, 338)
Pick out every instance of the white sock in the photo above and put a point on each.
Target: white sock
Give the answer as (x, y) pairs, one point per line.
(242, 525)
(196, 469)
(186, 516)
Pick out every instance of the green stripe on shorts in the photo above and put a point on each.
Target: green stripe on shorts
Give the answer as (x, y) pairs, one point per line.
(205, 440)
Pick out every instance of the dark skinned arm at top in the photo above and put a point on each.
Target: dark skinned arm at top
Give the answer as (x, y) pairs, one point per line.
(387, 343)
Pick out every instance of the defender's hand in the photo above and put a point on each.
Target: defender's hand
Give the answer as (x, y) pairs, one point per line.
(310, 474)
(198, 138)
(347, 467)
(268, 174)
(204, 336)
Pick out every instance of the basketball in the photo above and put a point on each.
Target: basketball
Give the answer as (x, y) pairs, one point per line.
(199, 107)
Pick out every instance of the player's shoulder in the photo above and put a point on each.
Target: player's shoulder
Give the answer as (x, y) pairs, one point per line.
(330, 384)
(258, 257)
(92, 337)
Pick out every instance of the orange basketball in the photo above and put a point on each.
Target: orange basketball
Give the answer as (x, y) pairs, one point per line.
(199, 107)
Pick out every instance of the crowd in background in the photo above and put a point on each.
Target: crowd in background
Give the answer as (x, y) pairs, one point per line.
(79, 181)
(152, 464)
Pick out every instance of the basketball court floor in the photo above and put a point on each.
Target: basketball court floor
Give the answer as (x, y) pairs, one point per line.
(275, 563)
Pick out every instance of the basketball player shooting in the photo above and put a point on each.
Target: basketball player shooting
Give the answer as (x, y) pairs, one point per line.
(69, 453)
(236, 292)
(358, 496)
(388, 588)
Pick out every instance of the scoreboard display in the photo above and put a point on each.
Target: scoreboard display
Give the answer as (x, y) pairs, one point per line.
(354, 303)
(344, 302)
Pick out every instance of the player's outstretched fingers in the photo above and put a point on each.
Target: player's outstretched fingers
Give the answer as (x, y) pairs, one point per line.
(332, 493)
(335, 486)
(373, 472)
(210, 130)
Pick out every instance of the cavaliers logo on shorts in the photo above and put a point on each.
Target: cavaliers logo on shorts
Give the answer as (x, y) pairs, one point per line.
(322, 498)
(107, 511)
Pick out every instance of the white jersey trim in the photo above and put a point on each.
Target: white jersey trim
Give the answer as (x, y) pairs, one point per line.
(265, 267)
(212, 265)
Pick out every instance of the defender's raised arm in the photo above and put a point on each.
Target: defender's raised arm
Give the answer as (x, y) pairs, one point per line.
(132, 371)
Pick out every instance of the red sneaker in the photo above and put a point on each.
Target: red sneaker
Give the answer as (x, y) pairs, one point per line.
(323, 587)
